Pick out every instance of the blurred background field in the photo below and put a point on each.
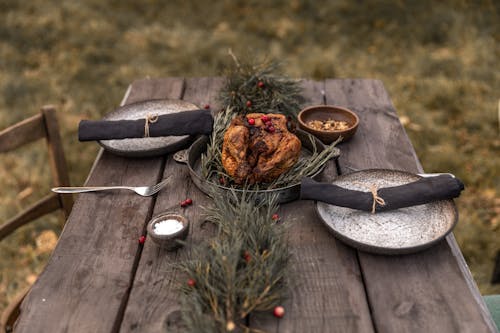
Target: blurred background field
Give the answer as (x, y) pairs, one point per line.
(440, 62)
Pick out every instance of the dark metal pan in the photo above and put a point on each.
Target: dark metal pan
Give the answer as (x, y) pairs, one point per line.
(192, 157)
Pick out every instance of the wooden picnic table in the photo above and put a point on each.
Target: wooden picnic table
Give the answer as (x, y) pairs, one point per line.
(99, 279)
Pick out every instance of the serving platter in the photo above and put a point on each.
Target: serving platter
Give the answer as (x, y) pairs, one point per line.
(148, 147)
(400, 231)
(192, 157)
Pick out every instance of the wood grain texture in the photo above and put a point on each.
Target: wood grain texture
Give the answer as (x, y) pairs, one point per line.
(57, 159)
(422, 292)
(85, 285)
(22, 133)
(327, 293)
(158, 88)
(42, 125)
(100, 280)
(154, 301)
(11, 312)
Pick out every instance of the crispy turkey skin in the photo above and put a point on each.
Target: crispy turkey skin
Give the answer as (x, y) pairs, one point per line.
(261, 151)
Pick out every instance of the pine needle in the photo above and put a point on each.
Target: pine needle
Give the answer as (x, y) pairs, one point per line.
(261, 84)
(242, 270)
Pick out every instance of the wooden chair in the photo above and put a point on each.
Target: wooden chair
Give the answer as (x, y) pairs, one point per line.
(43, 125)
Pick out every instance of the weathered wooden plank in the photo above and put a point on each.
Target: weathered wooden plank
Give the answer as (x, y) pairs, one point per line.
(426, 291)
(380, 141)
(154, 302)
(158, 88)
(327, 292)
(85, 285)
(57, 160)
(24, 132)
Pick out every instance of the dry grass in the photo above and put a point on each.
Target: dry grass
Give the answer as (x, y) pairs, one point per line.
(439, 62)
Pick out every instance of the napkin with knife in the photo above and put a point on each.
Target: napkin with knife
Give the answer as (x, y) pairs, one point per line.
(181, 123)
(419, 192)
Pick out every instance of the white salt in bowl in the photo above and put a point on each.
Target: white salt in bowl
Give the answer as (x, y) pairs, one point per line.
(167, 229)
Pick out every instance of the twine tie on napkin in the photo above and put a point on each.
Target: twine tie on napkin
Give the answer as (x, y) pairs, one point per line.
(191, 122)
(150, 119)
(376, 198)
(418, 192)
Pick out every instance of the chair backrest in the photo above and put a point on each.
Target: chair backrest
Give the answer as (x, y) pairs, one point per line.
(42, 125)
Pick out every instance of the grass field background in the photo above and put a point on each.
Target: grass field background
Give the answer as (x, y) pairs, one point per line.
(440, 62)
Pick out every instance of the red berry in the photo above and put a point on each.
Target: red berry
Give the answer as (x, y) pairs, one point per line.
(207, 106)
(271, 129)
(142, 239)
(275, 217)
(260, 84)
(184, 203)
(279, 311)
(268, 123)
(188, 201)
(222, 180)
(249, 104)
(191, 282)
(247, 256)
(251, 121)
(264, 118)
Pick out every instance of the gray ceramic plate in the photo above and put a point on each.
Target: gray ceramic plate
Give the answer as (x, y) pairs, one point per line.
(399, 231)
(146, 147)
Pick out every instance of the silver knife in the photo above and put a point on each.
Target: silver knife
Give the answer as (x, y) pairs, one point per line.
(425, 175)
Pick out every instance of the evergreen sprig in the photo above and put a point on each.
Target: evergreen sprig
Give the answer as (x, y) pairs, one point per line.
(211, 160)
(307, 166)
(263, 86)
(240, 271)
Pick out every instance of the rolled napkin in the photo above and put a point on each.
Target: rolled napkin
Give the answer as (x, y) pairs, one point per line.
(419, 192)
(180, 123)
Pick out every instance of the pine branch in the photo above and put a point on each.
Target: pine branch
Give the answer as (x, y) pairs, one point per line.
(263, 86)
(240, 271)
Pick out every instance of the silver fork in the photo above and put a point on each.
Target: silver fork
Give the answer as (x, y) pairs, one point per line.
(145, 191)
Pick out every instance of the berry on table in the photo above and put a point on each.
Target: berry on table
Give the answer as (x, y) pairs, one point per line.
(142, 239)
(207, 106)
(189, 201)
(191, 282)
(279, 311)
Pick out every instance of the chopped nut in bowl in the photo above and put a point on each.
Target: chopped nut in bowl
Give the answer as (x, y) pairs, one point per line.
(328, 123)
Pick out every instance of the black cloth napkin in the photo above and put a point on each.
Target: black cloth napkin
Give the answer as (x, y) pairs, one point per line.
(181, 123)
(420, 192)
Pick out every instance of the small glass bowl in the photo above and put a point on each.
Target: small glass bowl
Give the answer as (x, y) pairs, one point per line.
(171, 241)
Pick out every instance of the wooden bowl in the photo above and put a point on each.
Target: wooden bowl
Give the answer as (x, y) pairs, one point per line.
(170, 241)
(329, 112)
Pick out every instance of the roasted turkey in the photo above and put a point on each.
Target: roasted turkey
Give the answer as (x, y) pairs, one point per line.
(258, 147)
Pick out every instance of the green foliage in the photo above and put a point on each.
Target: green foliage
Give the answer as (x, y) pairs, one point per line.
(242, 270)
(263, 86)
(211, 162)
